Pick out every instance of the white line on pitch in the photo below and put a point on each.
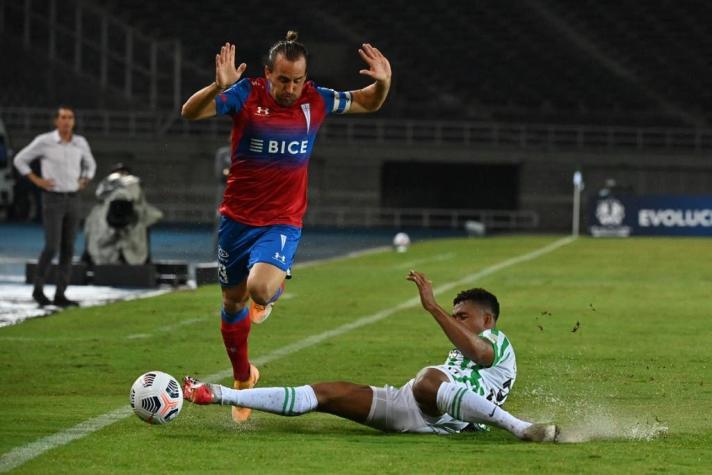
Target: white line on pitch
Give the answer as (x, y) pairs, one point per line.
(20, 455)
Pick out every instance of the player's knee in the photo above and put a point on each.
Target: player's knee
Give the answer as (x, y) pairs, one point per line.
(423, 392)
(260, 292)
(425, 388)
(329, 395)
(324, 394)
(232, 303)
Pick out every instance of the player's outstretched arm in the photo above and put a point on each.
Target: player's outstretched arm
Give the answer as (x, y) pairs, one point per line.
(371, 98)
(471, 346)
(201, 105)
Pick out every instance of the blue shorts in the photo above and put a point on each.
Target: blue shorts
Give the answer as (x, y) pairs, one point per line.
(240, 246)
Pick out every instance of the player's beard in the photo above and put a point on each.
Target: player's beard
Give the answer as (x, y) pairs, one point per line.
(286, 100)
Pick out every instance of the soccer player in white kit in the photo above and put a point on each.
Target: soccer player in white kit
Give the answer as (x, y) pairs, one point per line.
(461, 394)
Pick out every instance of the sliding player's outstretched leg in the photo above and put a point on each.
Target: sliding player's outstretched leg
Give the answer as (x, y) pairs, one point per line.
(436, 394)
(463, 404)
(201, 393)
(285, 401)
(347, 400)
(388, 409)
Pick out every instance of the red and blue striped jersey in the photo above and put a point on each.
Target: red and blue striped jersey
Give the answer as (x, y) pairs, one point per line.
(271, 146)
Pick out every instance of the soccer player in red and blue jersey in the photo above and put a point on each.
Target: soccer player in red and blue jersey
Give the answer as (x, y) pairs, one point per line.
(275, 122)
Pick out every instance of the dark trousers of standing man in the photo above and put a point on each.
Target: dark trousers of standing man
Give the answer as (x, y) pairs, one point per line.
(60, 218)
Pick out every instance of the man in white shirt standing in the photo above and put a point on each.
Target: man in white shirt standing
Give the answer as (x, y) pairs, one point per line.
(67, 166)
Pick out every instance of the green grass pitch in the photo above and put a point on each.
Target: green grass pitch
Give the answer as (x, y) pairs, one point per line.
(613, 340)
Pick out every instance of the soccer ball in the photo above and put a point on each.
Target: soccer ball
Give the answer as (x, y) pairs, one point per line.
(401, 241)
(156, 397)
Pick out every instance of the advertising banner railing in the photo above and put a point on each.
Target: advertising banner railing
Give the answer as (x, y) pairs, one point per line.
(651, 215)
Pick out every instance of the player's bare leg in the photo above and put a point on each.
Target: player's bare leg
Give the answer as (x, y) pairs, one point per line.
(343, 399)
(425, 390)
(235, 298)
(235, 329)
(265, 285)
(436, 395)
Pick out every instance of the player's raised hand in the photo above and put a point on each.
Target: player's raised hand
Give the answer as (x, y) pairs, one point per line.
(425, 289)
(378, 66)
(225, 72)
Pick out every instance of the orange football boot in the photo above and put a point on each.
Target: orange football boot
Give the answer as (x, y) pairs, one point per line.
(239, 413)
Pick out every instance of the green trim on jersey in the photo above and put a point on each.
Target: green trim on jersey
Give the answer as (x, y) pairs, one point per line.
(502, 349)
(493, 382)
(494, 352)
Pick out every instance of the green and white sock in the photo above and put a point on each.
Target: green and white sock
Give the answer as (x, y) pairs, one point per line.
(464, 405)
(286, 401)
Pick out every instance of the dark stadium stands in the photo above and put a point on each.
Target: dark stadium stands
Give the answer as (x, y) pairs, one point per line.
(642, 62)
(666, 44)
(31, 81)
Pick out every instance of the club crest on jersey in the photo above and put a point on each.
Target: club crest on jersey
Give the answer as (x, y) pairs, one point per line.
(262, 111)
(307, 115)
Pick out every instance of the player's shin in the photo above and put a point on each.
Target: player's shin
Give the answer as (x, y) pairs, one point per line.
(285, 401)
(235, 328)
(463, 404)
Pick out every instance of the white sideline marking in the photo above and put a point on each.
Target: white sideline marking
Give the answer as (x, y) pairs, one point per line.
(20, 455)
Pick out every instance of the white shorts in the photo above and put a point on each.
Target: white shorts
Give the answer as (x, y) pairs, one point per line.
(395, 410)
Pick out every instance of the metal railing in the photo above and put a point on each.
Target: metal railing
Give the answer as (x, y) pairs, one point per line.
(374, 217)
(415, 132)
(380, 131)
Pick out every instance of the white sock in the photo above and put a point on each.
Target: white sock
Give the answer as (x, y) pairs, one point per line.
(282, 401)
(464, 405)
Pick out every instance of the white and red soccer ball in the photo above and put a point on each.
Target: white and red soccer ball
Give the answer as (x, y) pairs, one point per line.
(156, 397)
(401, 241)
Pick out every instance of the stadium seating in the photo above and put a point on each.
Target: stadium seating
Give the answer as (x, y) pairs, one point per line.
(471, 60)
(665, 43)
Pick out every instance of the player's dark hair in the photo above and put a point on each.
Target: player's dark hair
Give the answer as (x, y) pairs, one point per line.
(480, 297)
(62, 107)
(289, 47)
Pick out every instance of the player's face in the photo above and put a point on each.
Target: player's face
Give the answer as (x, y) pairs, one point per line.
(473, 317)
(286, 79)
(64, 121)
